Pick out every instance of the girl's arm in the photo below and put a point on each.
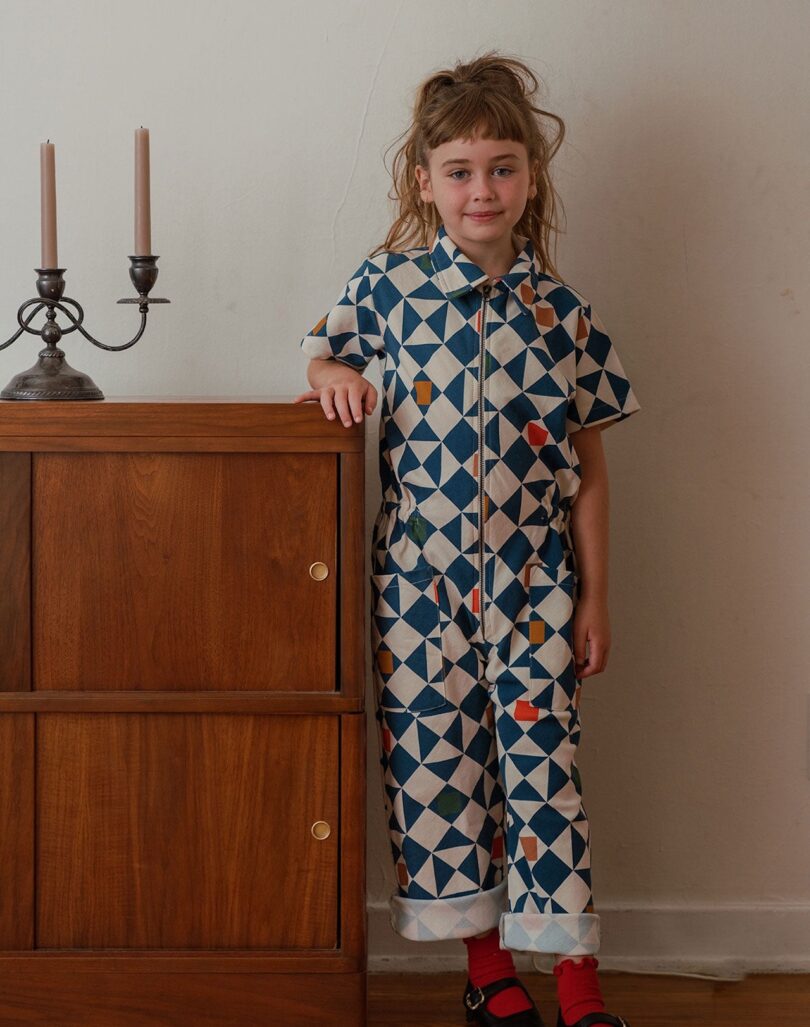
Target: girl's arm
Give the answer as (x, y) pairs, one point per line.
(589, 528)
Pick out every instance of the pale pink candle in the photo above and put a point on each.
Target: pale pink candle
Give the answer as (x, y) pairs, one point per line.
(47, 175)
(143, 215)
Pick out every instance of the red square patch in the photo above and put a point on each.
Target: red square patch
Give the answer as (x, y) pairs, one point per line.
(525, 711)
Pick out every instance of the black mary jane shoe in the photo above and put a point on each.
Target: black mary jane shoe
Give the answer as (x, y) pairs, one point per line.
(475, 1004)
(592, 1018)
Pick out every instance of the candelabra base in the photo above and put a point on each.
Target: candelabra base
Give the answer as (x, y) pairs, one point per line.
(50, 378)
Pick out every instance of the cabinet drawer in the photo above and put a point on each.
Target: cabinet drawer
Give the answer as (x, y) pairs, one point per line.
(184, 571)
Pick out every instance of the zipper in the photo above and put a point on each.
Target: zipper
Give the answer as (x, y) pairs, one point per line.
(482, 350)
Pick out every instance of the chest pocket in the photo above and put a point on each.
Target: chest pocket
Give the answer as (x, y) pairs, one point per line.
(406, 641)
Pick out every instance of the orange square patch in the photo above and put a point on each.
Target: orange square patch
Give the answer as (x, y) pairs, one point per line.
(537, 631)
(423, 392)
(385, 661)
(529, 845)
(544, 315)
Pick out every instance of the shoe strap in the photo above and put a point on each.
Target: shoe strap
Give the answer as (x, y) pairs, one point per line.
(488, 990)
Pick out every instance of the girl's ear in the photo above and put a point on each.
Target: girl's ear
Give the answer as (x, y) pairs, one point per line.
(423, 179)
(535, 168)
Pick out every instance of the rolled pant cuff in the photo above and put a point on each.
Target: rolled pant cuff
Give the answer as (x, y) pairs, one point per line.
(570, 934)
(458, 917)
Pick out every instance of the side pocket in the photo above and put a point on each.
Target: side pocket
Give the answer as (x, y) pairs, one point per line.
(553, 685)
(406, 641)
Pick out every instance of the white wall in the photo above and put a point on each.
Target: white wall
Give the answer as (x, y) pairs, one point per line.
(685, 181)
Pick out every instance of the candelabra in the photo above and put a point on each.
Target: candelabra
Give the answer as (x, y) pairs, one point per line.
(52, 377)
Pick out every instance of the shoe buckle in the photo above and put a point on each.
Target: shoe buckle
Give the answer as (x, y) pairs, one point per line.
(479, 1002)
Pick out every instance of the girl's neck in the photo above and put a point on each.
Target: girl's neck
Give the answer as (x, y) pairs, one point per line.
(496, 262)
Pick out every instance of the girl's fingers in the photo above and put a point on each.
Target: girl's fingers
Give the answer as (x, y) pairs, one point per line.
(326, 403)
(356, 403)
(345, 401)
(342, 406)
(597, 657)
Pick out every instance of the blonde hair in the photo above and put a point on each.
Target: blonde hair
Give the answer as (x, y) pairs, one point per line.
(490, 96)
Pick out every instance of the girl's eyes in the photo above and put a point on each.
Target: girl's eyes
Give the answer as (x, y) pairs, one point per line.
(462, 171)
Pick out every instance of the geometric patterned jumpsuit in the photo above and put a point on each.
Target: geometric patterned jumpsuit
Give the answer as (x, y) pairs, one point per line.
(474, 583)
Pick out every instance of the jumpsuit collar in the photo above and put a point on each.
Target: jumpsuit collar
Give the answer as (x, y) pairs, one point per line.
(457, 275)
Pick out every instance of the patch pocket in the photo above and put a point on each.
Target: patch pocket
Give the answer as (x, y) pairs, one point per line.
(406, 641)
(552, 681)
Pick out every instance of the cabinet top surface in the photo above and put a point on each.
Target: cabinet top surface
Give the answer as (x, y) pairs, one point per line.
(274, 415)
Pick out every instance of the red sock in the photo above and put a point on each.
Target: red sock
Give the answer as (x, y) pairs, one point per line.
(578, 988)
(488, 962)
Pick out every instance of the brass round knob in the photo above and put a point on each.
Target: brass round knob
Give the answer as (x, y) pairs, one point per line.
(318, 571)
(321, 830)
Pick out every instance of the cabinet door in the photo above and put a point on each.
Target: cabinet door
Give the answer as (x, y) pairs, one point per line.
(192, 831)
(184, 571)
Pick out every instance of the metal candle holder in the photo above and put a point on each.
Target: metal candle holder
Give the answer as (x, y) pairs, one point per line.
(52, 377)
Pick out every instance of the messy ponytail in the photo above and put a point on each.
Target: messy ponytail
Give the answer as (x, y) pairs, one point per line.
(490, 96)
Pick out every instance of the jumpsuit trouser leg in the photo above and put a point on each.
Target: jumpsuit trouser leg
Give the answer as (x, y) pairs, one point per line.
(477, 743)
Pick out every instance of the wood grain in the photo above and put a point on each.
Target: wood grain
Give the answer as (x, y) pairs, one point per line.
(184, 571)
(192, 832)
(15, 579)
(764, 1000)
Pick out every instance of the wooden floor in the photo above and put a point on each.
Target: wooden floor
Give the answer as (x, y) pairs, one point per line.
(767, 1000)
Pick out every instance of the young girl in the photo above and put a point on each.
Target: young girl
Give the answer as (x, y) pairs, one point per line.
(489, 584)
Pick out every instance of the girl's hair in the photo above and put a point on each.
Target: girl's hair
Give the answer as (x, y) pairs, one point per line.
(486, 96)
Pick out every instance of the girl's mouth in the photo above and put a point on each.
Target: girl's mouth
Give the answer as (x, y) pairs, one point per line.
(484, 217)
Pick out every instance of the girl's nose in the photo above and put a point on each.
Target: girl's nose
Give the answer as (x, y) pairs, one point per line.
(482, 187)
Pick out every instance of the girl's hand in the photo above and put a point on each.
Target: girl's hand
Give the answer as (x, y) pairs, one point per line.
(591, 625)
(346, 392)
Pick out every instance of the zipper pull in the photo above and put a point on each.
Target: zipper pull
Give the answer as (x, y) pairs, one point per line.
(487, 290)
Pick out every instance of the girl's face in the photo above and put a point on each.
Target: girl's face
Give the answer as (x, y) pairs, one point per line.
(467, 177)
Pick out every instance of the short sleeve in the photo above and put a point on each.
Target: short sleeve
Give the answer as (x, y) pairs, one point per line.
(350, 331)
(603, 392)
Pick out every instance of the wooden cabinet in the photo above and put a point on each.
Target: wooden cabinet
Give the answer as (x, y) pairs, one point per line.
(182, 735)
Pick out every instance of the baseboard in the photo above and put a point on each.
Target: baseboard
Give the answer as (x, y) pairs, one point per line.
(718, 942)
